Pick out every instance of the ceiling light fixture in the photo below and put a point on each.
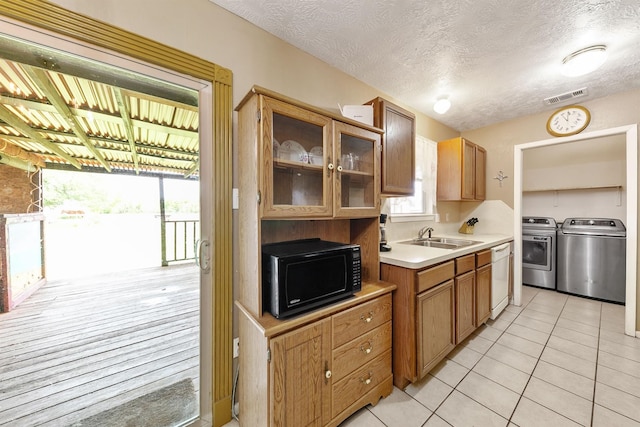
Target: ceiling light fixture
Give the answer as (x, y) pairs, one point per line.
(442, 105)
(584, 61)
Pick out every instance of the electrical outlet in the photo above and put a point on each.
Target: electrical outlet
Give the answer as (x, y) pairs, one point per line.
(236, 347)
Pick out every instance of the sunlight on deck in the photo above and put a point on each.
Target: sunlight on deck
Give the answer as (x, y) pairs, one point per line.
(79, 347)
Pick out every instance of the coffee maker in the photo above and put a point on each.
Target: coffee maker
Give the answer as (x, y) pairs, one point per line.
(384, 247)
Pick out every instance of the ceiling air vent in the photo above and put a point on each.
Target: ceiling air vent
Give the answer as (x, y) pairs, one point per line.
(566, 96)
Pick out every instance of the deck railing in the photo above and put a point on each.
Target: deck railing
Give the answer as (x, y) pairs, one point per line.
(179, 239)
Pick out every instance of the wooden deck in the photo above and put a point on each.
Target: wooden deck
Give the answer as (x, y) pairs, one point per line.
(79, 347)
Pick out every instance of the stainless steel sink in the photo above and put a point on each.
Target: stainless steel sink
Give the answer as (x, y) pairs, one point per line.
(441, 242)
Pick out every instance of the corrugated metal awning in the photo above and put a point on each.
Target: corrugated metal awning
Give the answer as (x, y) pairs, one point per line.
(54, 120)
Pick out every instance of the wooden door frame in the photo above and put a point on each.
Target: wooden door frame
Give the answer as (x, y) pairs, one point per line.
(630, 133)
(53, 18)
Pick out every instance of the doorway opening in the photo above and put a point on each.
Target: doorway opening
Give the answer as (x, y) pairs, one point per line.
(630, 134)
(52, 25)
(62, 113)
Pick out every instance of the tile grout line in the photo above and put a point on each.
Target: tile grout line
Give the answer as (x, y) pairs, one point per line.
(595, 375)
(483, 355)
(531, 375)
(595, 382)
(538, 361)
(455, 388)
(471, 369)
(521, 395)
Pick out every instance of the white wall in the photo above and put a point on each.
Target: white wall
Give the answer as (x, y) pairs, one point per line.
(579, 179)
(594, 203)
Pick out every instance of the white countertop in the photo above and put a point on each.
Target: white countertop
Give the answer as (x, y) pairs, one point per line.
(417, 257)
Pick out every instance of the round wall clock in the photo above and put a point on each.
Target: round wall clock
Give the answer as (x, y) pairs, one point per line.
(568, 120)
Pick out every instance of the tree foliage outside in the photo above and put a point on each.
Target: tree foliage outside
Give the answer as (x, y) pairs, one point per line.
(116, 194)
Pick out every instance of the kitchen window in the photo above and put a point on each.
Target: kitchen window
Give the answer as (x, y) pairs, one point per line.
(423, 203)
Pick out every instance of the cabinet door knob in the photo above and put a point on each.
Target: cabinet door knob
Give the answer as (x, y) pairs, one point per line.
(367, 319)
(367, 350)
(339, 168)
(367, 381)
(330, 166)
(327, 372)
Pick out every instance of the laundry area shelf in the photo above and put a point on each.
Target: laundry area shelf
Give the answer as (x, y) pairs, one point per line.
(595, 187)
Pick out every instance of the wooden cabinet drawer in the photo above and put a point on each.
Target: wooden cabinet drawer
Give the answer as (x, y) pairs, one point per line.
(483, 258)
(360, 319)
(465, 263)
(351, 388)
(361, 350)
(433, 276)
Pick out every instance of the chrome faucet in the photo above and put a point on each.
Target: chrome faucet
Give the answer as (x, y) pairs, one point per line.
(425, 230)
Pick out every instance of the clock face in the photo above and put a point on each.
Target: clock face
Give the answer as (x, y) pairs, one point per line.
(568, 121)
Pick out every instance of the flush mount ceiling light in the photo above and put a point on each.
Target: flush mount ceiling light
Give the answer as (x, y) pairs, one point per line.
(584, 61)
(442, 105)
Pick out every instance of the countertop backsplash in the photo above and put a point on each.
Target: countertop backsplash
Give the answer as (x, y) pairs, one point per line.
(495, 217)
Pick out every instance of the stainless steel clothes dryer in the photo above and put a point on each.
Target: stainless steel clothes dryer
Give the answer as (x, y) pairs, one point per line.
(539, 251)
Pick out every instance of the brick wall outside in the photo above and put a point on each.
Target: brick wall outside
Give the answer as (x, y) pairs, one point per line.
(16, 190)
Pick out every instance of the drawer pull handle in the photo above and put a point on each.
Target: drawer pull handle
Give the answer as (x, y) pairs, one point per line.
(367, 381)
(367, 350)
(367, 319)
(327, 374)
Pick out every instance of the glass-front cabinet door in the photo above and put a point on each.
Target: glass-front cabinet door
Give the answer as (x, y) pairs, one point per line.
(296, 151)
(356, 189)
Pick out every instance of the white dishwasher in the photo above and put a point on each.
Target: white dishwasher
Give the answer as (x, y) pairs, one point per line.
(499, 278)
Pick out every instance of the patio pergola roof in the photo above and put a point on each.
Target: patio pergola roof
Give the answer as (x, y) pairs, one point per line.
(94, 119)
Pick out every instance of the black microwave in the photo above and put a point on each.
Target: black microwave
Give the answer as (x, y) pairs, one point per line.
(301, 275)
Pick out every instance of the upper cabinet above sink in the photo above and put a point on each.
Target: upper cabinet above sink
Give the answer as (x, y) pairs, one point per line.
(461, 170)
(397, 172)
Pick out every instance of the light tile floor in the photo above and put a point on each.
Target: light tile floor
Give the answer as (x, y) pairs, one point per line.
(558, 360)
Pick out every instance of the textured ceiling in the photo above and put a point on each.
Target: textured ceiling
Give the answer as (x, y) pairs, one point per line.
(495, 59)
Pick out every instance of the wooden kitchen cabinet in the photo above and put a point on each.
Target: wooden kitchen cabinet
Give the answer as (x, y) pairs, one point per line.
(465, 292)
(483, 286)
(317, 368)
(436, 335)
(480, 184)
(299, 390)
(283, 197)
(397, 166)
(423, 318)
(361, 356)
(434, 309)
(461, 170)
(356, 190)
(317, 373)
(310, 164)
